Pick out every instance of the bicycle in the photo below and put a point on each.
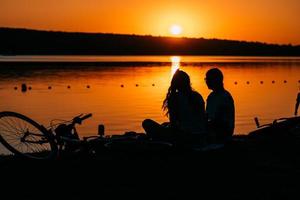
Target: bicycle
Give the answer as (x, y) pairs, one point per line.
(28, 139)
(289, 125)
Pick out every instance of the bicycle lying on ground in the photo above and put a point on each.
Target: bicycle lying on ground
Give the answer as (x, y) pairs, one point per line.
(26, 138)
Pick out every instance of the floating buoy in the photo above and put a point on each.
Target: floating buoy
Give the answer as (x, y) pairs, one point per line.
(153, 84)
(69, 87)
(88, 86)
(49, 88)
(23, 87)
(261, 82)
(15, 88)
(248, 82)
(29, 88)
(273, 82)
(122, 85)
(235, 83)
(299, 81)
(285, 81)
(136, 85)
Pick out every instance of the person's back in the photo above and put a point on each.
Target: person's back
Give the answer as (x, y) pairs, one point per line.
(189, 117)
(220, 107)
(221, 114)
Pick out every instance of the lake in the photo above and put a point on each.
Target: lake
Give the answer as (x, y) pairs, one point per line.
(121, 91)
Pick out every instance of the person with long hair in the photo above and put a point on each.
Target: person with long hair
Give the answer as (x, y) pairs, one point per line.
(185, 109)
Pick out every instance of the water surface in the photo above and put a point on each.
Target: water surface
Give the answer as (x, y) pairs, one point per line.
(120, 97)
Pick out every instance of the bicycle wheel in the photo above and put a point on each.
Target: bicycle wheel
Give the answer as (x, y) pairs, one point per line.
(24, 137)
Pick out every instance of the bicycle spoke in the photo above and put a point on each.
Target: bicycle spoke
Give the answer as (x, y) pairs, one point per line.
(36, 138)
(37, 145)
(31, 148)
(24, 126)
(19, 123)
(12, 125)
(23, 135)
(39, 148)
(14, 142)
(9, 126)
(9, 137)
(20, 147)
(5, 126)
(11, 132)
(35, 131)
(26, 148)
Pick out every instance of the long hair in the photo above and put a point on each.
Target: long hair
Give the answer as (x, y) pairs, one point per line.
(180, 84)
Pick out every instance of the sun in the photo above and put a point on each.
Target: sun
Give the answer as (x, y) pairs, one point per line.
(175, 29)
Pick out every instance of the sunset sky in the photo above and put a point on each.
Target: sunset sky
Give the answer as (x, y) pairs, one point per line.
(272, 21)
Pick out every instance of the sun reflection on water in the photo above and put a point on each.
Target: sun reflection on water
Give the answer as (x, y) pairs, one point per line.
(175, 64)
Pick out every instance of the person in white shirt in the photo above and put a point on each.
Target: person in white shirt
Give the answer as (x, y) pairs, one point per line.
(219, 108)
(185, 109)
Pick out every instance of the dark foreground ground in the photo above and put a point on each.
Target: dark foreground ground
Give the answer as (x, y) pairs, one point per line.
(264, 169)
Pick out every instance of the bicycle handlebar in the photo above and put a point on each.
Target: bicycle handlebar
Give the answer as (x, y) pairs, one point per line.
(86, 116)
(269, 124)
(79, 119)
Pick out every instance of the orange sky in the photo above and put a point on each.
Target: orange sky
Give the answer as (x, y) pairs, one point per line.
(273, 21)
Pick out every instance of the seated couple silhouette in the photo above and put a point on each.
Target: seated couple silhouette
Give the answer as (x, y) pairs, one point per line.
(189, 121)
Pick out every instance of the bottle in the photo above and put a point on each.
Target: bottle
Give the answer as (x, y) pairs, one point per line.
(101, 130)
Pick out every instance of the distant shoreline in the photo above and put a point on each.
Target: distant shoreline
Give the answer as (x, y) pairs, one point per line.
(16, 41)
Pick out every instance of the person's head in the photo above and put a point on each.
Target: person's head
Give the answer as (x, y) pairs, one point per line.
(214, 79)
(180, 84)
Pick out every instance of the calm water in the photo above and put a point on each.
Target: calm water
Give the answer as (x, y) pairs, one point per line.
(123, 108)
